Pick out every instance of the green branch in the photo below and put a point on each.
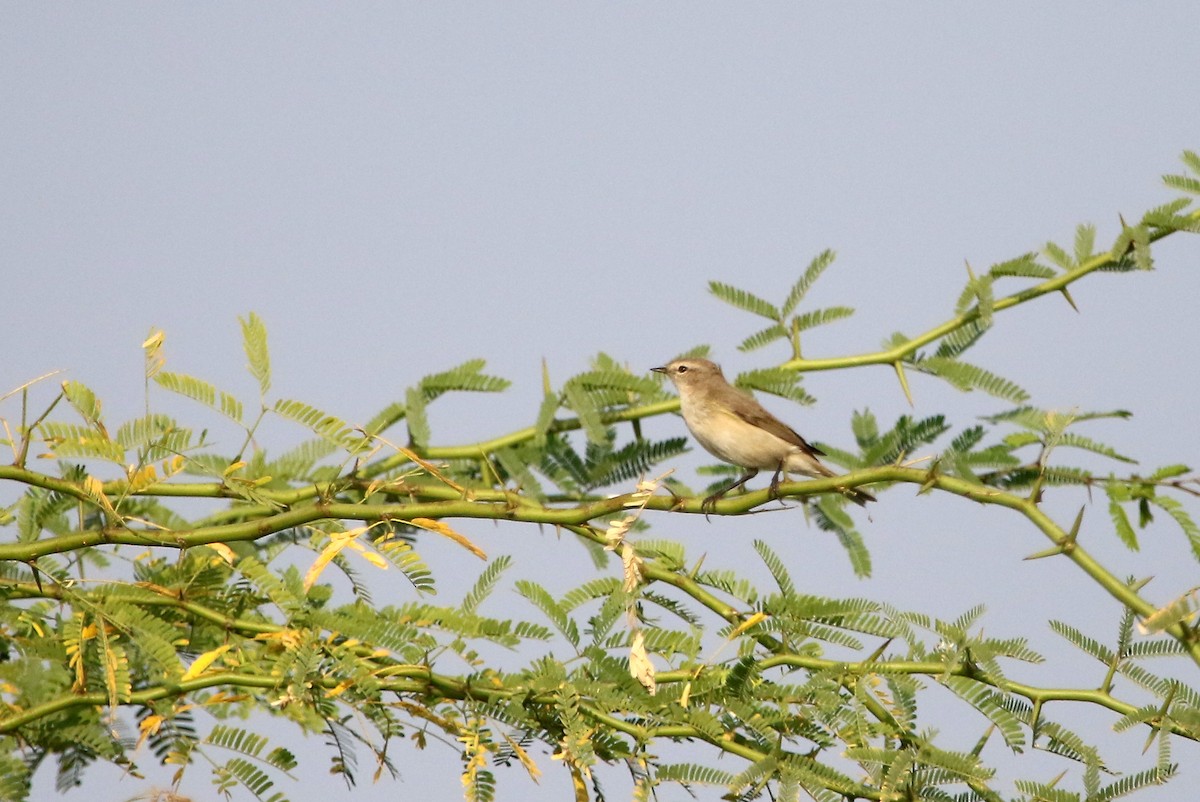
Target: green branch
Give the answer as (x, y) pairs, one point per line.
(896, 354)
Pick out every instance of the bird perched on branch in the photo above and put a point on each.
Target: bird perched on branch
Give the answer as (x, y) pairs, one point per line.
(735, 428)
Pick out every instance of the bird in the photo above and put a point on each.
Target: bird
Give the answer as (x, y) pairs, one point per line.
(732, 426)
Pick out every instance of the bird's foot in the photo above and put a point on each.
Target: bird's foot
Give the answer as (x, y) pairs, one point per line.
(709, 504)
(775, 484)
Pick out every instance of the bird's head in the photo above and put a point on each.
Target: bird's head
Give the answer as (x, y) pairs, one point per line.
(691, 372)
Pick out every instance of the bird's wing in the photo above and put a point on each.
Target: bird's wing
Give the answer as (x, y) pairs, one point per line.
(756, 415)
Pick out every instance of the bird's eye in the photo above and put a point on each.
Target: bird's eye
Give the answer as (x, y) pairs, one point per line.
(681, 369)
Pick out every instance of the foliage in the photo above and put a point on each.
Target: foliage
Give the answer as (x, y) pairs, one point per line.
(134, 629)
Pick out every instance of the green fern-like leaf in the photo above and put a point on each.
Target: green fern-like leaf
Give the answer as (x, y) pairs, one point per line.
(1135, 782)
(778, 570)
(821, 317)
(776, 381)
(114, 664)
(581, 403)
(906, 436)
(515, 464)
(85, 403)
(590, 591)
(236, 739)
(1045, 792)
(1181, 518)
(545, 418)
(865, 427)
(979, 292)
(962, 338)
(1085, 243)
(385, 418)
(1168, 218)
(151, 637)
(486, 583)
(731, 583)
(765, 337)
(744, 300)
(467, 377)
(831, 516)
(966, 376)
(299, 462)
(988, 701)
(632, 460)
(400, 553)
(254, 342)
(1072, 440)
(1186, 183)
(239, 771)
(1024, 266)
(332, 428)
(1058, 255)
(1132, 249)
(672, 606)
(557, 614)
(416, 418)
(811, 273)
(1080, 641)
(616, 378)
(40, 510)
(15, 777)
(270, 585)
(154, 437)
(70, 441)
(1154, 648)
(201, 391)
(692, 774)
(1117, 494)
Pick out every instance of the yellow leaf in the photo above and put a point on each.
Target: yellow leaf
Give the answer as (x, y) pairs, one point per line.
(226, 553)
(375, 560)
(523, 756)
(204, 661)
(149, 726)
(155, 339)
(141, 478)
(233, 468)
(33, 623)
(323, 559)
(95, 489)
(749, 622)
(153, 348)
(444, 529)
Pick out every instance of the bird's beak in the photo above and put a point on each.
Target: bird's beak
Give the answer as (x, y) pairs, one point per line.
(659, 370)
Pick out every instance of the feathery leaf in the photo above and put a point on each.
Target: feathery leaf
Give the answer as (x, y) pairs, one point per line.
(744, 300)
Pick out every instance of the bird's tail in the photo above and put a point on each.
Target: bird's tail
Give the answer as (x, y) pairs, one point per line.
(811, 466)
(859, 497)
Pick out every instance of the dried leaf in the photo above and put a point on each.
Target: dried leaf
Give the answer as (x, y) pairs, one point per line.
(444, 529)
(640, 667)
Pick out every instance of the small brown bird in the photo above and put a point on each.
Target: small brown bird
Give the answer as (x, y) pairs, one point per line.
(735, 428)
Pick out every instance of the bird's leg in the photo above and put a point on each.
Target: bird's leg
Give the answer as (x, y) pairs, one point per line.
(707, 505)
(775, 481)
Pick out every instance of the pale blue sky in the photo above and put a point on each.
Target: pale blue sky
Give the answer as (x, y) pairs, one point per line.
(398, 188)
